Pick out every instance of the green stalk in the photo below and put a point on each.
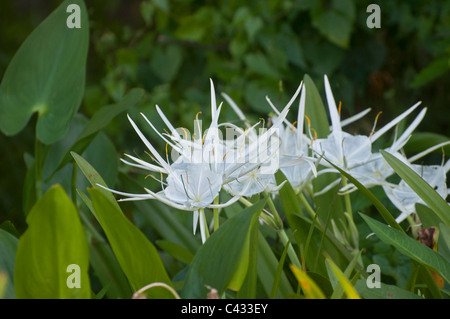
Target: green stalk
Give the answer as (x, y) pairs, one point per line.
(306, 204)
(274, 210)
(216, 214)
(265, 216)
(348, 202)
(281, 233)
(290, 250)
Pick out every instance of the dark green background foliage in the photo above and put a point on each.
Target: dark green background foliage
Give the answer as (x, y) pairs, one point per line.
(250, 49)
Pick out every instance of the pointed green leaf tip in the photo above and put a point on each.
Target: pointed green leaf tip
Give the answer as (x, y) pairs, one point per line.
(47, 76)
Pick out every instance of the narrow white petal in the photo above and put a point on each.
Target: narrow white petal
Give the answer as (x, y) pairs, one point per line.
(195, 221)
(394, 122)
(160, 135)
(167, 122)
(148, 166)
(202, 227)
(235, 108)
(158, 157)
(213, 100)
(335, 120)
(168, 202)
(142, 196)
(328, 187)
(414, 158)
(231, 201)
(354, 118)
(407, 133)
(301, 118)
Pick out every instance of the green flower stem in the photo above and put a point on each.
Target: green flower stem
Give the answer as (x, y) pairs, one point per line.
(348, 202)
(281, 233)
(290, 250)
(306, 204)
(274, 210)
(353, 231)
(265, 216)
(278, 226)
(216, 214)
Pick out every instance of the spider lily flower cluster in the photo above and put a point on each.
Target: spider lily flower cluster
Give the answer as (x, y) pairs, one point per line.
(244, 163)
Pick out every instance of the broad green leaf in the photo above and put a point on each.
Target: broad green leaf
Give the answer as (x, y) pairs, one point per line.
(309, 287)
(46, 75)
(432, 71)
(315, 109)
(166, 221)
(410, 247)
(427, 216)
(178, 252)
(108, 271)
(8, 247)
(343, 281)
(93, 177)
(267, 266)
(136, 255)
(53, 241)
(420, 187)
(384, 292)
(334, 26)
(420, 141)
(249, 286)
(4, 281)
(444, 241)
(220, 258)
(105, 264)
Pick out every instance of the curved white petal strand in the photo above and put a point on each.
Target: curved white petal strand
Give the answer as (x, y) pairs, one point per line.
(167, 122)
(168, 202)
(145, 164)
(335, 119)
(354, 118)
(158, 157)
(394, 122)
(141, 196)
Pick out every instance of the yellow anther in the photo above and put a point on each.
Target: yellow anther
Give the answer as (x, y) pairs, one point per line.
(151, 157)
(315, 136)
(292, 127)
(185, 132)
(264, 121)
(339, 108)
(309, 121)
(375, 123)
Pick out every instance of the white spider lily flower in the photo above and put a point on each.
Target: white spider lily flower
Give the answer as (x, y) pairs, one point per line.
(376, 170)
(346, 150)
(405, 199)
(254, 172)
(295, 163)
